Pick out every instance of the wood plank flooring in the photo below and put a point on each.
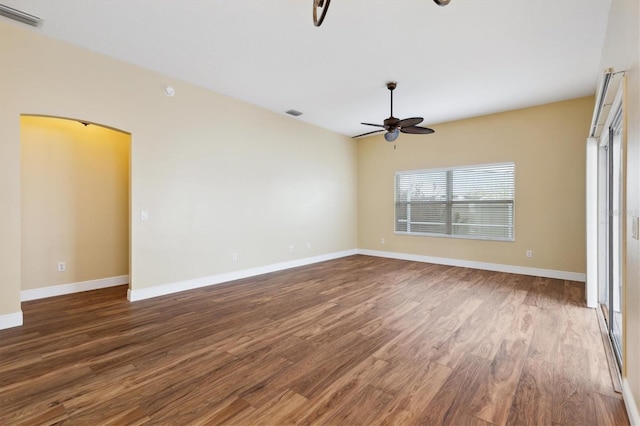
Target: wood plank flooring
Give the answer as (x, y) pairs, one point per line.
(355, 341)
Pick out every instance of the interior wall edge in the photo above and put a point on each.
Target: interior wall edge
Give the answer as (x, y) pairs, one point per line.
(496, 267)
(591, 213)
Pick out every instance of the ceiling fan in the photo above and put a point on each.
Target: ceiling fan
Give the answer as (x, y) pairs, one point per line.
(393, 126)
(320, 8)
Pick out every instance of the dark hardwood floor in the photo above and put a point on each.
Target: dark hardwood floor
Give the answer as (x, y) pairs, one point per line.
(356, 341)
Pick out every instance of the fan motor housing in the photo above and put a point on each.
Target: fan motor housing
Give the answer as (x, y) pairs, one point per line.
(390, 123)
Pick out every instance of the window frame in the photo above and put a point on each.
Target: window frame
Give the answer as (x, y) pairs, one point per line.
(449, 203)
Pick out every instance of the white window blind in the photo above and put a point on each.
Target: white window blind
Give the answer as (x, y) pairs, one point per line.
(464, 202)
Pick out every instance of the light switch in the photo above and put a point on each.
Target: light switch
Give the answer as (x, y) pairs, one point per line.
(635, 227)
(144, 215)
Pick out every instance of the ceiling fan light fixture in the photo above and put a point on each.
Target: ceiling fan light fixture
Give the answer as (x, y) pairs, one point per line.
(391, 135)
(394, 126)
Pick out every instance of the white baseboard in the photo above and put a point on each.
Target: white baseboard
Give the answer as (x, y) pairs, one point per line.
(11, 320)
(547, 273)
(59, 290)
(161, 290)
(630, 403)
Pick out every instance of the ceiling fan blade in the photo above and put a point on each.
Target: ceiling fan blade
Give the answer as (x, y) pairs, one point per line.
(368, 133)
(374, 125)
(417, 130)
(408, 122)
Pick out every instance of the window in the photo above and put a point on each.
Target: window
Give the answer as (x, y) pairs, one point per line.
(462, 202)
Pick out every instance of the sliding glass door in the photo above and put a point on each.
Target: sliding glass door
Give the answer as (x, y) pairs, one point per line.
(611, 200)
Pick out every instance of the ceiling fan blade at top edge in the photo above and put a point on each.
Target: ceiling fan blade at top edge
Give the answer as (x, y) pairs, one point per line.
(416, 130)
(408, 122)
(368, 133)
(374, 125)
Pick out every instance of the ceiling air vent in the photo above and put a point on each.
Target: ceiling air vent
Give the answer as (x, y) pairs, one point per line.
(294, 112)
(19, 16)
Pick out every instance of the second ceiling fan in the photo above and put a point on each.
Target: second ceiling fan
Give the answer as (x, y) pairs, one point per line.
(393, 126)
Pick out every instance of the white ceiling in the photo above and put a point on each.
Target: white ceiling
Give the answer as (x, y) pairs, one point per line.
(470, 58)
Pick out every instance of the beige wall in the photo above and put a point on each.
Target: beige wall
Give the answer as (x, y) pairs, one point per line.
(75, 201)
(622, 52)
(216, 175)
(546, 143)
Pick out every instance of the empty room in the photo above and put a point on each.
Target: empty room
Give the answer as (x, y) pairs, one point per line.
(399, 212)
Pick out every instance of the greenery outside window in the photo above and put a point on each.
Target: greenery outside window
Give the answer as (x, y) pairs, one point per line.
(463, 202)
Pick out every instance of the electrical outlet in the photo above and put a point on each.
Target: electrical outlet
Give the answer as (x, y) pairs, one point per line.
(529, 253)
(62, 266)
(382, 241)
(308, 246)
(291, 247)
(234, 256)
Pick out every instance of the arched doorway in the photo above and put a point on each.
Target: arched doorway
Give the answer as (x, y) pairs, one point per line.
(75, 206)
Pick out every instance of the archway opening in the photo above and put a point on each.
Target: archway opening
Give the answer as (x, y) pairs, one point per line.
(75, 206)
